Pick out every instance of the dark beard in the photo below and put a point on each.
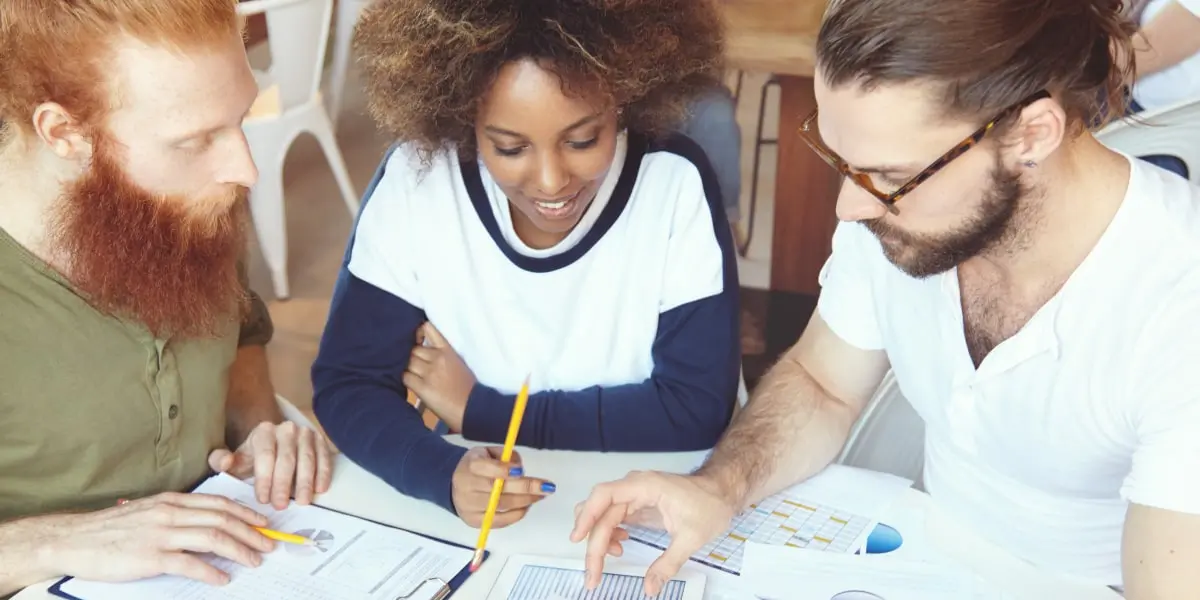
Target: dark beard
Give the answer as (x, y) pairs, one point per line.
(921, 256)
(141, 256)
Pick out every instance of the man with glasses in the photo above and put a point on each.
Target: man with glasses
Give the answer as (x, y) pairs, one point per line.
(1036, 295)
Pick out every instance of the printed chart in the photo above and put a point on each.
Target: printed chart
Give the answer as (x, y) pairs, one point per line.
(322, 541)
(549, 583)
(781, 520)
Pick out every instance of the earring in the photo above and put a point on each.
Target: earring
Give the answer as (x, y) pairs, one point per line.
(1029, 164)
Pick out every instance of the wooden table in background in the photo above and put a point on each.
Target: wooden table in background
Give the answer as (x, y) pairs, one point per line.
(780, 37)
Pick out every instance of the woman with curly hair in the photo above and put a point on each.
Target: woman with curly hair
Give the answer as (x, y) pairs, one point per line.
(534, 218)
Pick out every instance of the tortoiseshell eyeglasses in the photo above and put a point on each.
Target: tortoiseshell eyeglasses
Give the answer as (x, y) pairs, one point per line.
(808, 131)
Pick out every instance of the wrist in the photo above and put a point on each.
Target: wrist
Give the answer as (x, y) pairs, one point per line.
(486, 414)
(29, 552)
(731, 494)
(457, 418)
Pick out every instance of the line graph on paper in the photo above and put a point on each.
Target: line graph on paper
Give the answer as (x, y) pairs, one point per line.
(781, 520)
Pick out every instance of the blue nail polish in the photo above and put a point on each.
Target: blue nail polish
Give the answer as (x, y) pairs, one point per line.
(548, 488)
(516, 472)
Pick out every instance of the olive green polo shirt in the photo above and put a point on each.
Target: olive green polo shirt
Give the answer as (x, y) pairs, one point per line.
(94, 408)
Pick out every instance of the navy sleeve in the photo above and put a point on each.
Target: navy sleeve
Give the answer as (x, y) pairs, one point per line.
(687, 402)
(360, 401)
(358, 396)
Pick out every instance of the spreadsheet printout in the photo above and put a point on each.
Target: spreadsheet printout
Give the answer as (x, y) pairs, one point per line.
(833, 512)
(554, 578)
(549, 583)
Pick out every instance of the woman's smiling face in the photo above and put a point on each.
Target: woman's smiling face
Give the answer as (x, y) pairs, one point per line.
(548, 151)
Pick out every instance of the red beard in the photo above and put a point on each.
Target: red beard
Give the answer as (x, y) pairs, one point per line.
(147, 257)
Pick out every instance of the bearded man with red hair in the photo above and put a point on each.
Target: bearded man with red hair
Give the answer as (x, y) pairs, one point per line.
(131, 350)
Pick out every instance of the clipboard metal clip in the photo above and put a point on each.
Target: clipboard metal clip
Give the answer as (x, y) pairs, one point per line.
(443, 591)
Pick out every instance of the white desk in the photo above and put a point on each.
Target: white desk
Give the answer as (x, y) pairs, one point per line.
(544, 532)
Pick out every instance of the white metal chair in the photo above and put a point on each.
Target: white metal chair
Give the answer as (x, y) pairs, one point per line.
(1170, 131)
(289, 104)
(343, 38)
(889, 436)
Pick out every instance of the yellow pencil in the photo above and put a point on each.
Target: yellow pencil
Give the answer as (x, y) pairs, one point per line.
(497, 488)
(290, 538)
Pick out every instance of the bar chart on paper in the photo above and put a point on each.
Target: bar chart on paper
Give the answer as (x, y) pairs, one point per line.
(784, 520)
(549, 583)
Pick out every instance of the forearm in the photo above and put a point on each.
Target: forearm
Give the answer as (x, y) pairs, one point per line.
(24, 551)
(1170, 38)
(374, 427)
(685, 404)
(790, 430)
(652, 416)
(360, 401)
(251, 398)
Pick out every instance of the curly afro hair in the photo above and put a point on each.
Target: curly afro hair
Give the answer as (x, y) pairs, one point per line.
(429, 63)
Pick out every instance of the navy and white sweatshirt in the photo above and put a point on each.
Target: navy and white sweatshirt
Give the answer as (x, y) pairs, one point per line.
(629, 326)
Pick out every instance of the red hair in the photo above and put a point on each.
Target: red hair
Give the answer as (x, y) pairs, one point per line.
(56, 50)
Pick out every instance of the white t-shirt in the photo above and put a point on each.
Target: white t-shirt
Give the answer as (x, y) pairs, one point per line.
(442, 240)
(1095, 403)
(1173, 84)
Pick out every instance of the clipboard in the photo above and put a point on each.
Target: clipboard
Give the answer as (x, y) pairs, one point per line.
(445, 589)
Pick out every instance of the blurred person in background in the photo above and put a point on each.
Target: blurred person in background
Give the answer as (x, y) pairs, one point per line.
(1167, 55)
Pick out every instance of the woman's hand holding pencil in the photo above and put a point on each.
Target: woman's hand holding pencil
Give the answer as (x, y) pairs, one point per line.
(498, 484)
(477, 474)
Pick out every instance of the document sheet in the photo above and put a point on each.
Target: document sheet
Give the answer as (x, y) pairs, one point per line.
(352, 559)
(544, 578)
(774, 573)
(834, 511)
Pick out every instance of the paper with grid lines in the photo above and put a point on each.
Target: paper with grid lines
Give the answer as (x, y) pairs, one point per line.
(548, 583)
(834, 512)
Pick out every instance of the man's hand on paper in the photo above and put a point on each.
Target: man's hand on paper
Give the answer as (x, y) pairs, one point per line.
(439, 377)
(690, 508)
(472, 485)
(159, 535)
(283, 459)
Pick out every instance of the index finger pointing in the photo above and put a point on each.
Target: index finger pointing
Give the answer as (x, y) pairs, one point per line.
(596, 505)
(598, 543)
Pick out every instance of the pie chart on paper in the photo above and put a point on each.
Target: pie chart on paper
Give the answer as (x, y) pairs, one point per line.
(323, 540)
